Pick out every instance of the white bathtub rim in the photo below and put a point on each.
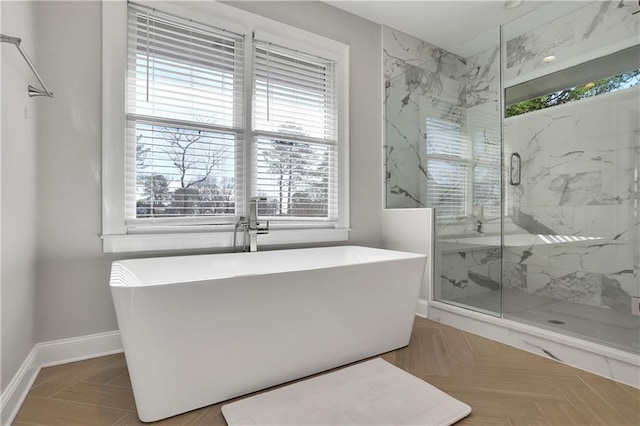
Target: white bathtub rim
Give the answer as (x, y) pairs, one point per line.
(399, 256)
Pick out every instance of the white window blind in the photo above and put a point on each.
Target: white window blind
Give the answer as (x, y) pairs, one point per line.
(184, 120)
(448, 168)
(463, 172)
(295, 134)
(487, 196)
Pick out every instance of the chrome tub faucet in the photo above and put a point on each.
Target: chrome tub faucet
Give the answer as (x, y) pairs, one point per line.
(251, 227)
(255, 227)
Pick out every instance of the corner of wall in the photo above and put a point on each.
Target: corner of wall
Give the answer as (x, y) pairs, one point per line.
(19, 202)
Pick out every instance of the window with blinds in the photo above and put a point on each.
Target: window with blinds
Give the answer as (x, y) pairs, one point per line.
(184, 119)
(295, 135)
(448, 168)
(463, 171)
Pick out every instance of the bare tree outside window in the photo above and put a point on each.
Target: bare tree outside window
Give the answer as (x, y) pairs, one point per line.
(300, 173)
(188, 174)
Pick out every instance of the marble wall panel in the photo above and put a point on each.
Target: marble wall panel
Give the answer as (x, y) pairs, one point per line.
(483, 77)
(514, 276)
(605, 22)
(466, 282)
(572, 286)
(590, 28)
(579, 178)
(468, 270)
(421, 80)
(524, 53)
(537, 254)
(600, 256)
(611, 222)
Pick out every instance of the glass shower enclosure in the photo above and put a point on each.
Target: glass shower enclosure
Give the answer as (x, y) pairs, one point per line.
(537, 209)
(443, 150)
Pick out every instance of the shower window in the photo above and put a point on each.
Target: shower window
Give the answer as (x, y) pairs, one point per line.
(607, 74)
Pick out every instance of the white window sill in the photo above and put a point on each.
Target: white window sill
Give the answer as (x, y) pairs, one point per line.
(203, 240)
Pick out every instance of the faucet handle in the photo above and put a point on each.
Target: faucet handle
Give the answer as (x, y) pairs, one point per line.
(262, 227)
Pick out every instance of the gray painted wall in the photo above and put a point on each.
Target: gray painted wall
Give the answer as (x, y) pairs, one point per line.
(73, 297)
(18, 189)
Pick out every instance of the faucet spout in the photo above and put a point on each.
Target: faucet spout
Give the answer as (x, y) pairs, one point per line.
(241, 223)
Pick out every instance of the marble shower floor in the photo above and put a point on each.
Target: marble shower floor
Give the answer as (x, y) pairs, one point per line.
(600, 325)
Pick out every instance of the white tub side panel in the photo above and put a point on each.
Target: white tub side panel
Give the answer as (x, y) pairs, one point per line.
(191, 345)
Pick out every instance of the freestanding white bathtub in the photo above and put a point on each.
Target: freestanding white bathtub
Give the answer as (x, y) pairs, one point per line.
(198, 330)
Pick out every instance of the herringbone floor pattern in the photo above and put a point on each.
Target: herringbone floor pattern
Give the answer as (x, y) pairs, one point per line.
(503, 386)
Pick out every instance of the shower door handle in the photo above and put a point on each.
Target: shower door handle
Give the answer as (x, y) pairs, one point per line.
(515, 172)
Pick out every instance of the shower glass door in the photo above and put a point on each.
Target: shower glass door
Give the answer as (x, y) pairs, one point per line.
(463, 185)
(443, 150)
(572, 167)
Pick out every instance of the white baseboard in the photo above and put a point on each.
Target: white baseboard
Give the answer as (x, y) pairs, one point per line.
(79, 348)
(15, 393)
(46, 354)
(423, 309)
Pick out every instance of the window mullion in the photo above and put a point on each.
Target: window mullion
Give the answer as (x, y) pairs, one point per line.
(247, 145)
(147, 119)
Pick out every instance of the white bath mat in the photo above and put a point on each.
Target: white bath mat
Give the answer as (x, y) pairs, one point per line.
(373, 392)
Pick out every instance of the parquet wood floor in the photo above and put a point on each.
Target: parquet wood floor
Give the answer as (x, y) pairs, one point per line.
(503, 386)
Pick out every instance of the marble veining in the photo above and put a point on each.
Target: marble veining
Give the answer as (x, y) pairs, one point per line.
(483, 77)
(525, 51)
(579, 192)
(591, 27)
(586, 186)
(580, 168)
(543, 350)
(421, 81)
(594, 26)
(431, 94)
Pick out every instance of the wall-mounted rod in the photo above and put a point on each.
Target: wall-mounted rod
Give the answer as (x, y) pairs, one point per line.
(32, 90)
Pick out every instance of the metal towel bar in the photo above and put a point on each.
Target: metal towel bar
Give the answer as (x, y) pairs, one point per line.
(32, 90)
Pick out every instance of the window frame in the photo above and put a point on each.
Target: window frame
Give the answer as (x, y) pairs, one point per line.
(171, 25)
(116, 235)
